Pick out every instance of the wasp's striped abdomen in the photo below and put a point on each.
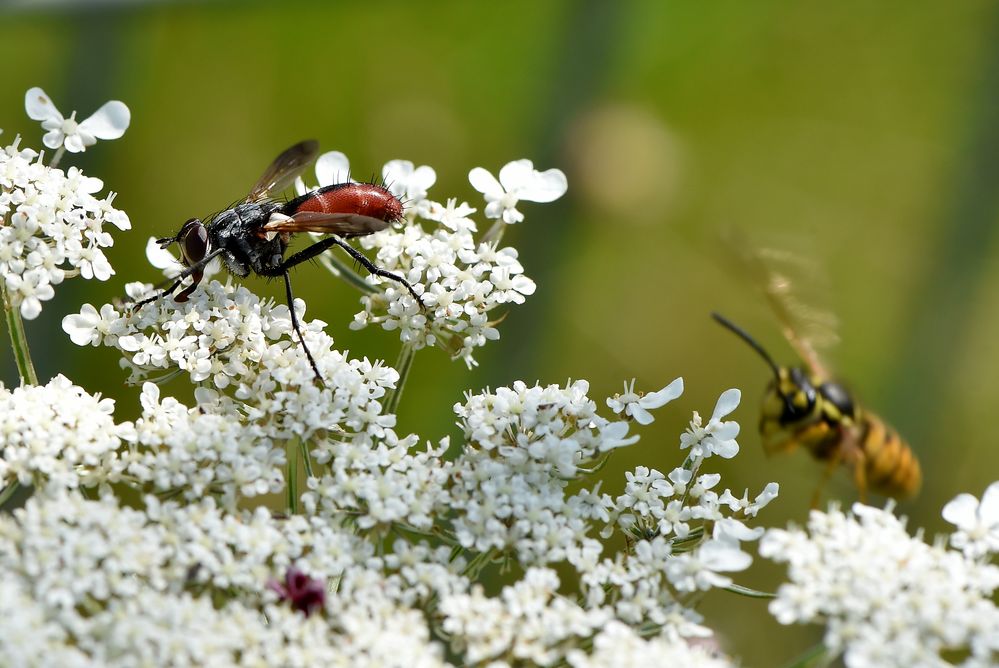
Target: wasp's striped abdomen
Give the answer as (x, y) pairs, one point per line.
(890, 467)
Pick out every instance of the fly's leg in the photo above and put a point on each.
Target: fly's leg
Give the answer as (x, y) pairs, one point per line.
(297, 327)
(321, 246)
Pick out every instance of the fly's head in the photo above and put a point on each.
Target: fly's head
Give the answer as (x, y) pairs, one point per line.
(193, 242)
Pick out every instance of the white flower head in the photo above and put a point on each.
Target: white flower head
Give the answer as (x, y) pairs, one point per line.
(108, 122)
(636, 406)
(718, 436)
(409, 183)
(977, 523)
(518, 180)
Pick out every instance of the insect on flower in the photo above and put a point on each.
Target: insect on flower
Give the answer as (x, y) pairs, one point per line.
(253, 235)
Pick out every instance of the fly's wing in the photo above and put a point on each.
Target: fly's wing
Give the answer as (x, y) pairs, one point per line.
(282, 172)
(340, 224)
(782, 276)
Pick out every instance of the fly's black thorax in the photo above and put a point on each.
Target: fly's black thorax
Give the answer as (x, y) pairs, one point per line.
(239, 232)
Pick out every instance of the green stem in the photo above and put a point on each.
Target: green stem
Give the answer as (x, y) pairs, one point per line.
(336, 267)
(816, 655)
(403, 366)
(8, 492)
(746, 591)
(307, 459)
(292, 481)
(19, 342)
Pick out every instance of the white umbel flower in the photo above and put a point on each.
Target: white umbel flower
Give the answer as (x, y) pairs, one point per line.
(977, 522)
(54, 225)
(885, 597)
(108, 122)
(636, 405)
(518, 180)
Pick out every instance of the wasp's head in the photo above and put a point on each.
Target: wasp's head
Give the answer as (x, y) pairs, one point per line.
(796, 391)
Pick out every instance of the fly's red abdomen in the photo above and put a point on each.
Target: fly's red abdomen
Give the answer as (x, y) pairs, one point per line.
(362, 199)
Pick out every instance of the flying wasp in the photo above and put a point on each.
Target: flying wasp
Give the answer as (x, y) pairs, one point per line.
(253, 235)
(803, 406)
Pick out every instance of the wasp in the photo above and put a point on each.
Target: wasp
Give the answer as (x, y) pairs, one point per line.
(253, 235)
(804, 406)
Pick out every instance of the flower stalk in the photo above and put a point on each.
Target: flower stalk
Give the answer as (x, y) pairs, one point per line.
(404, 365)
(18, 340)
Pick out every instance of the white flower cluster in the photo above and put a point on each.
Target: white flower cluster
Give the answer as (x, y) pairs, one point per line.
(231, 338)
(188, 451)
(81, 566)
(461, 280)
(379, 483)
(886, 598)
(527, 622)
(58, 436)
(51, 227)
(619, 645)
(523, 445)
(666, 519)
(108, 122)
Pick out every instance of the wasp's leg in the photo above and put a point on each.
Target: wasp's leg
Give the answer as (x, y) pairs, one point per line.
(831, 465)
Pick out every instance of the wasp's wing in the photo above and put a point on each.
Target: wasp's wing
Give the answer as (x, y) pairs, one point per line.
(782, 277)
(280, 174)
(341, 224)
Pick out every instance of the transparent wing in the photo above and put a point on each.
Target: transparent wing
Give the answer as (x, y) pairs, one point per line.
(792, 285)
(282, 172)
(341, 224)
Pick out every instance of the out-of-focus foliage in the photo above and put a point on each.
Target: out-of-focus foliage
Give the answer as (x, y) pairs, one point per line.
(860, 136)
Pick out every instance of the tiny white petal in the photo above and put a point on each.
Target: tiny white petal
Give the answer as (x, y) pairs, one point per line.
(727, 402)
(961, 511)
(39, 107)
(485, 183)
(641, 415)
(663, 396)
(160, 257)
(988, 511)
(108, 122)
(545, 186)
(332, 167)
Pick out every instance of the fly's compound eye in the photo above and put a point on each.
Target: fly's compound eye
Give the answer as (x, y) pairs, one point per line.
(193, 240)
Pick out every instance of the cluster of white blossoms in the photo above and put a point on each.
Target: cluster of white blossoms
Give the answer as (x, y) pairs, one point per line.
(227, 336)
(886, 598)
(277, 520)
(683, 534)
(92, 583)
(58, 435)
(51, 227)
(462, 280)
(523, 445)
(188, 451)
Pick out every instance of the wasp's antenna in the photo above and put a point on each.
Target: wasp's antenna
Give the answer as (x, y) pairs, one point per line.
(741, 333)
(165, 241)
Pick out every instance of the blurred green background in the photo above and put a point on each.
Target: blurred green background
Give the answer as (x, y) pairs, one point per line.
(862, 136)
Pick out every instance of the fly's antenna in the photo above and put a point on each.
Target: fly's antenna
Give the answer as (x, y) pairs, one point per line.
(742, 334)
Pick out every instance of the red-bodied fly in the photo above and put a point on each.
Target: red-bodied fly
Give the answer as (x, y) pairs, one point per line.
(253, 235)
